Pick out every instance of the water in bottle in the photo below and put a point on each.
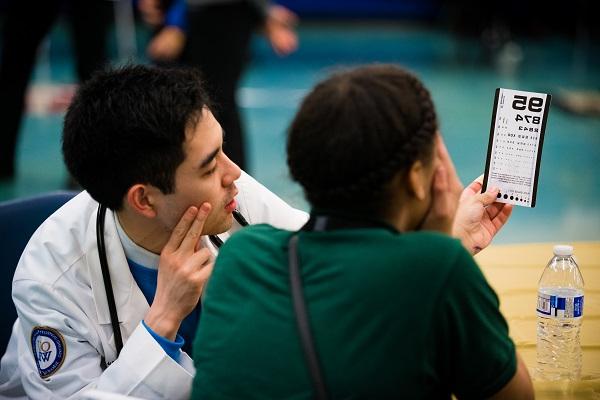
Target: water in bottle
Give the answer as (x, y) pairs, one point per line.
(559, 311)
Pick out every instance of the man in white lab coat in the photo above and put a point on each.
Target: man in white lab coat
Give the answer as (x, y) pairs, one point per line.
(144, 143)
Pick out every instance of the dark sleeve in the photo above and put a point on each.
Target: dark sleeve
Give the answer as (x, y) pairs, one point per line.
(477, 355)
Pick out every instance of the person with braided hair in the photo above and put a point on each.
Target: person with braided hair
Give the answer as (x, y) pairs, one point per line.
(373, 297)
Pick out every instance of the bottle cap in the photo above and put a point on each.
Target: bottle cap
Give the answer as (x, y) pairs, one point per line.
(563, 250)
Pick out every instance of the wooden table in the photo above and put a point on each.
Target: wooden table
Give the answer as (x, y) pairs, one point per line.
(514, 271)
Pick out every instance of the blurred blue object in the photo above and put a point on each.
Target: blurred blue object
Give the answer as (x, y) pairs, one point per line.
(364, 8)
(19, 219)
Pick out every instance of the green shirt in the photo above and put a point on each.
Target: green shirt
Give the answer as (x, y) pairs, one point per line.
(392, 315)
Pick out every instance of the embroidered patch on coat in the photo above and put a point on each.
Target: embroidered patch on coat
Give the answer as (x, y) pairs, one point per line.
(49, 350)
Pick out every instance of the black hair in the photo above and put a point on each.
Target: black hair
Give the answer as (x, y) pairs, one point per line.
(355, 131)
(128, 126)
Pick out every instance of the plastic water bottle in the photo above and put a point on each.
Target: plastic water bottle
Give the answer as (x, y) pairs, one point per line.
(559, 311)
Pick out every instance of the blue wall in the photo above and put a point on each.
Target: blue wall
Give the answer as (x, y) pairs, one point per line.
(363, 8)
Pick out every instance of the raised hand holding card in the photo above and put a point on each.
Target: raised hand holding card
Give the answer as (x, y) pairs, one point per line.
(515, 145)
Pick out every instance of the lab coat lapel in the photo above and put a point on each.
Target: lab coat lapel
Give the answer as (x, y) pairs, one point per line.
(129, 299)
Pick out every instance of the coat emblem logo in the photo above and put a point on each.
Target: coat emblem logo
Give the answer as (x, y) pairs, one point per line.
(49, 350)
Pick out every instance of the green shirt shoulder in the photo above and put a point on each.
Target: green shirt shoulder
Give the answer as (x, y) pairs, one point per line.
(392, 315)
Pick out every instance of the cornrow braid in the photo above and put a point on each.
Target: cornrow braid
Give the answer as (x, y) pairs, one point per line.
(358, 129)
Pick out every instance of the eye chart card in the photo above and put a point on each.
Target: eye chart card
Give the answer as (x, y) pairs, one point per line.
(515, 146)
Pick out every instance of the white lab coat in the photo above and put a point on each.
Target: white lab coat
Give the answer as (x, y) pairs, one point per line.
(58, 283)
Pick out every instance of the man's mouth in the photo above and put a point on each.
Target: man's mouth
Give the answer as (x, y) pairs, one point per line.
(231, 206)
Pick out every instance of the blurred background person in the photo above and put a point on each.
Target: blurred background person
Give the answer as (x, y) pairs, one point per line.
(552, 49)
(24, 27)
(215, 36)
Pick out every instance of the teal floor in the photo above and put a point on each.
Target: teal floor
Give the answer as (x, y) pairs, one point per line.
(462, 86)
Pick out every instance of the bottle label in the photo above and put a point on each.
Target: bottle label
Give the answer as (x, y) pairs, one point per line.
(550, 306)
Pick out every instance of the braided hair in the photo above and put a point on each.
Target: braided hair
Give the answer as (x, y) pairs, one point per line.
(356, 131)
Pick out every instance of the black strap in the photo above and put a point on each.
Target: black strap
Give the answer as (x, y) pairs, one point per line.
(308, 345)
(110, 297)
(240, 218)
(216, 241)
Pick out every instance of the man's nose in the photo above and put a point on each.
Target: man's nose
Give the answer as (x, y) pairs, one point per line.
(232, 173)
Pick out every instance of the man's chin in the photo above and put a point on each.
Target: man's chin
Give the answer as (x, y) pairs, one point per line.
(218, 227)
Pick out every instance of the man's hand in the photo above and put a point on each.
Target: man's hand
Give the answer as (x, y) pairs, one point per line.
(279, 30)
(151, 12)
(446, 190)
(183, 270)
(167, 45)
(478, 217)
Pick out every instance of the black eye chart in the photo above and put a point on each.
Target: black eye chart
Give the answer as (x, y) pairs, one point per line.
(515, 146)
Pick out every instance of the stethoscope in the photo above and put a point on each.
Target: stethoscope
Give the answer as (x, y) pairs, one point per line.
(110, 296)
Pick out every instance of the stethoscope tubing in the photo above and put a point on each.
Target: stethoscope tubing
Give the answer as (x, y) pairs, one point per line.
(110, 296)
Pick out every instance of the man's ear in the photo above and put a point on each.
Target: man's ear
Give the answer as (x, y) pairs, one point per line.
(141, 199)
(417, 182)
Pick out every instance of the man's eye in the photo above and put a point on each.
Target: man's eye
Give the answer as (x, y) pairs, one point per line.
(210, 171)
